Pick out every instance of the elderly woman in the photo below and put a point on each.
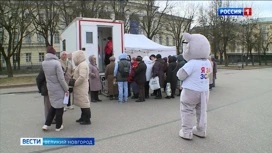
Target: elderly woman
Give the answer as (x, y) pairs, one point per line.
(94, 79)
(57, 88)
(109, 75)
(67, 68)
(80, 90)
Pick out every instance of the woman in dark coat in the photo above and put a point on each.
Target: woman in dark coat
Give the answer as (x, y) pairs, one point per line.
(171, 75)
(158, 70)
(140, 78)
(181, 62)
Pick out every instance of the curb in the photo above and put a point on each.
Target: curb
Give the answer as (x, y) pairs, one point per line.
(16, 86)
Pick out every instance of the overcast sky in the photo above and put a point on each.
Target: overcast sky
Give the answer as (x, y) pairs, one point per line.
(259, 8)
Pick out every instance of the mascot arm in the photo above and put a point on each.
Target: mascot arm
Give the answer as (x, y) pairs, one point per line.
(182, 74)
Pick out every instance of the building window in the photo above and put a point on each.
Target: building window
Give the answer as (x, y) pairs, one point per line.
(40, 38)
(41, 57)
(27, 37)
(56, 38)
(58, 54)
(64, 45)
(28, 57)
(160, 40)
(167, 41)
(89, 37)
(174, 42)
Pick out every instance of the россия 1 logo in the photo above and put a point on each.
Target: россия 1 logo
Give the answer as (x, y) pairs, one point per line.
(235, 11)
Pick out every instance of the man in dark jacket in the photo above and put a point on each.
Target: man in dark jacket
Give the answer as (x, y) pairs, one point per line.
(171, 75)
(41, 84)
(140, 78)
(158, 70)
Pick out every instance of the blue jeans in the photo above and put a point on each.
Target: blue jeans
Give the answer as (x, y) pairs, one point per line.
(123, 91)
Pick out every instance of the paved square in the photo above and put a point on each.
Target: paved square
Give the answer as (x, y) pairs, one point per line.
(239, 120)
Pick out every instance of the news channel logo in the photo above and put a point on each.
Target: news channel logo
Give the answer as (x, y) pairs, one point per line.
(57, 141)
(235, 11)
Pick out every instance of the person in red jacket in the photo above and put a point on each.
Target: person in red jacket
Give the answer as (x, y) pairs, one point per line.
(131, 80)
(108, 50)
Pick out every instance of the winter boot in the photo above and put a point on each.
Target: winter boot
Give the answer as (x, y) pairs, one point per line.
(86, 116)
(81, 117)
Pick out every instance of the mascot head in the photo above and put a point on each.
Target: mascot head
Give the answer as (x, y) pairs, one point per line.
(195, 46)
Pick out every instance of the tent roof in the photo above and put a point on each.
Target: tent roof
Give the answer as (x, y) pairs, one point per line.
(142, 43)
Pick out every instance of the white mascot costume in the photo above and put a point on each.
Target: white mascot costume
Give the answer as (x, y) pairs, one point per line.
(195, 76)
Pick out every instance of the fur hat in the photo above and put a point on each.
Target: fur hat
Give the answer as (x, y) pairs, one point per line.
(50, 49)
(112, 58)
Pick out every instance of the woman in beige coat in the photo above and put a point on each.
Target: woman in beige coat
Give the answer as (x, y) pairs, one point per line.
(80, 90)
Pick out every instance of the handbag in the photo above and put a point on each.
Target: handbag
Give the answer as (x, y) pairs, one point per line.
(154, 83)
(72, 82)
(168, 89)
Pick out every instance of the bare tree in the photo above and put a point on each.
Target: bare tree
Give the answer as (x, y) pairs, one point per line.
(67, 11)
(210, 27)
(46, 19)
(258, 44)
(152, 19)
(250, 29)
(92, 9)
(266, 41)
(177, 25)
(14, 22)
(121, 11)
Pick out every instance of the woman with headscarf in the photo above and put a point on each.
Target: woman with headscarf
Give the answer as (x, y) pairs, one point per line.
(94, 79)
(171, 75)
(140, 78)
(68, 69)
(80, 90)
(181, 61)
(109, 75)
(57, 88)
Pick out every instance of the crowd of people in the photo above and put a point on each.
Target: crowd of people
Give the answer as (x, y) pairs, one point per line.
(127, 77)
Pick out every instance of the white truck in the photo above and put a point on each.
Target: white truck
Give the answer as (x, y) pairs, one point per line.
(91, 34)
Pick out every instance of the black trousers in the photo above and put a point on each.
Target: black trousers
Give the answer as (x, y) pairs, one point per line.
(173, 89)
(58, 112)
(147, 89)
(158, 92)
(129, 92)
(107, 59)
(94, 95)
(141, 91)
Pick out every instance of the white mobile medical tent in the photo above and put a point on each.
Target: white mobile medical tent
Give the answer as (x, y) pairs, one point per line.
(140, 45)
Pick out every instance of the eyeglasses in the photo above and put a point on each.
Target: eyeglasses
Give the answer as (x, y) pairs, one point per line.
(184, 42)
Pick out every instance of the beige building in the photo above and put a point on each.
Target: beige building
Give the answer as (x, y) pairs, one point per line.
(262, 33)
(33, 48)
